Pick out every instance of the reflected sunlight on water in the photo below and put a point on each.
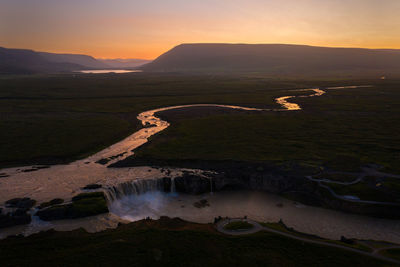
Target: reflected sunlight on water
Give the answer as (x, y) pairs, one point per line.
(107, 71)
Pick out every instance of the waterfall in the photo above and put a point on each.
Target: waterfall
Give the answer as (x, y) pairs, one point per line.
(173, 190)
(137, 187)
(190, 184)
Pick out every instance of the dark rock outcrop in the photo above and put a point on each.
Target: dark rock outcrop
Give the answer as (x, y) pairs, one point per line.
(192, 184)
(18, 212)
(17, 217)
(21, 203)
(92, 186)
(288, 180)
(201, 204)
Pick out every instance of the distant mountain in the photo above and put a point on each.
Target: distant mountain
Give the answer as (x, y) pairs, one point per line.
(83, 60)
(124, 63)
(275, 59)
(22, 61)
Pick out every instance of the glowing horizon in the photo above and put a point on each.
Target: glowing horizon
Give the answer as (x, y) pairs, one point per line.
(133, 29)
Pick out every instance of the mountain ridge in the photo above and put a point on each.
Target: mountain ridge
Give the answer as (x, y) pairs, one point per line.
(26, 61)
(80, 59)
(275, 58)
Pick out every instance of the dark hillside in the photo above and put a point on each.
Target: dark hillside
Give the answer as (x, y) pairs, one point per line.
(22, 61)
(276, 59)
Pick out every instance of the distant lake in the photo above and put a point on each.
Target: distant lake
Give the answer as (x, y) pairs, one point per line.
(108, 71)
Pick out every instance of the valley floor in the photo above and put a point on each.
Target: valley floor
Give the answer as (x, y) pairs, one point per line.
(55, 119)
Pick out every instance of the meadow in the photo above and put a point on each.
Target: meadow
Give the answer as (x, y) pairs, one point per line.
(59, 118)
(149, 243)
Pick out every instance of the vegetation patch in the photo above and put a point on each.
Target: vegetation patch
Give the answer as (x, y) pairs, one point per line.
(282, 227)
(392, 253)
(392, 184)
(52, 202)
(82, 205)
(365, 191)
(238, 225)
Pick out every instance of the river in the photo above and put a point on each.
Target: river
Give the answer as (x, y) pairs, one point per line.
(64, 181)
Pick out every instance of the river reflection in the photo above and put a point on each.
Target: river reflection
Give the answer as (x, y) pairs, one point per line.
(108, 71)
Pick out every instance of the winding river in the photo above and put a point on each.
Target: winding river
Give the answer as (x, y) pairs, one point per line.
(64, 181)
(43, 184)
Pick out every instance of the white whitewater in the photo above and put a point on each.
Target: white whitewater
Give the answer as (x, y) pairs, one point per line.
(173, 188)
(107, 71)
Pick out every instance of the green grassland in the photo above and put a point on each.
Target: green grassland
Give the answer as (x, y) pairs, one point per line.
(280, 226)
(170, 242)
(392, 253)
(238, 225)
(50, 119)
(341, 130)
(370, 188)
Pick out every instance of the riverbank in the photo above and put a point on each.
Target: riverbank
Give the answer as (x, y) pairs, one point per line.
(37, 182)
(291, 180)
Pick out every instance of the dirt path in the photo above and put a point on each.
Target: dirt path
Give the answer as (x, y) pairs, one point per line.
(257, 227)
(366, 171)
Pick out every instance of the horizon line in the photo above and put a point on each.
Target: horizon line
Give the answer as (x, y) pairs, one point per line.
(195, 43)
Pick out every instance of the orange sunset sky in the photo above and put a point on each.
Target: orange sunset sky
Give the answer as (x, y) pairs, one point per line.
(145, 29)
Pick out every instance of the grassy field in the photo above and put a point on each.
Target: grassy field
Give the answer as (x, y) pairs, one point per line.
(392, 253)
(170, 243)
(238, 225)
(342, 130)
(280, 226)
(371, 188)
(50, 119)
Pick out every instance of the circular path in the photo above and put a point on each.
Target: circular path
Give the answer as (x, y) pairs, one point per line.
(257, 227)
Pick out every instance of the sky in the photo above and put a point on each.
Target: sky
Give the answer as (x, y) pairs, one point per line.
(148, 28)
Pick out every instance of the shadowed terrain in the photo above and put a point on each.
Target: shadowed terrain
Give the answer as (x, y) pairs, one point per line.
(170, 242)
(22, 61)
(277, 59)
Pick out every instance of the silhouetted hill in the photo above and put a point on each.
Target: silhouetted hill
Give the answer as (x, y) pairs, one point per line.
(83, 60)
(276, 59)
(124, 63)
(22, 61)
